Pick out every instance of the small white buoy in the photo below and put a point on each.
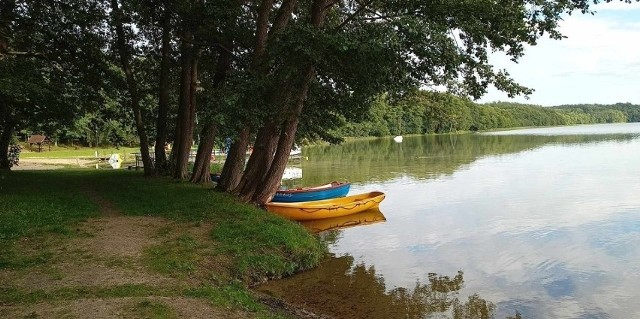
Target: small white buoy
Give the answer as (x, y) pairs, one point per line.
(398, 139)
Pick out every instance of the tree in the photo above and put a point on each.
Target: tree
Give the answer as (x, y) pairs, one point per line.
(50, 66)
(132, 85)
(163, 91)
(268, 71)
(398, 45)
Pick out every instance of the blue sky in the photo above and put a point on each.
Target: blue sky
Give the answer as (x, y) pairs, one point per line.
(599, 62)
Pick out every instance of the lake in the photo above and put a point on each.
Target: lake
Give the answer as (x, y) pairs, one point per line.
(539, 223)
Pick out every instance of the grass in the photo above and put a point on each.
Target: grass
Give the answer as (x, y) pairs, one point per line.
(175, 256)
(231, 295)
(152, 310)
(262, 245)
(14, 295)
(31, 208)
(74, 152)
(35, 202)
(40, 208)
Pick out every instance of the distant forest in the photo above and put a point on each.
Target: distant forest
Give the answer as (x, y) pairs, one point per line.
(425, 112)
(419, 112)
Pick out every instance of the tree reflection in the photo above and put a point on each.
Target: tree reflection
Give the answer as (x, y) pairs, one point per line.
(422, 157)
(340, 289)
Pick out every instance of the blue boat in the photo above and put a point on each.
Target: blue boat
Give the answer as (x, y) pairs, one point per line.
(306, 194)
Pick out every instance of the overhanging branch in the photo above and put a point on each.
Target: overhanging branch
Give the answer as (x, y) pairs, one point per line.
(353, 15)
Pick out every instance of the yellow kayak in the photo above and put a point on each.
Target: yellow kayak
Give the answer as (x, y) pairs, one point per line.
(327, 208)
(367, 217)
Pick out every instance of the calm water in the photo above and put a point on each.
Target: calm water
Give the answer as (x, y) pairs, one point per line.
(543, 222)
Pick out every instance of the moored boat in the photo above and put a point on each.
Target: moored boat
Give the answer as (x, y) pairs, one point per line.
(327, 208)
(313, 193)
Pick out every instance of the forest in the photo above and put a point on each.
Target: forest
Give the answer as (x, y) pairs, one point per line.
(423, 112)
(265, 73)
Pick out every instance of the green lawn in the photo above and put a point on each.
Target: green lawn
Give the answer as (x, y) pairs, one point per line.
(71, 152)
(40, 209)
(262, 244)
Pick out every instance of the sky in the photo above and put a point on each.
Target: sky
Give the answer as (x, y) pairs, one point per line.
(598, 62)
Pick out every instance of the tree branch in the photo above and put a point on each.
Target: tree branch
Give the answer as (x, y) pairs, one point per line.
(353, 15)
(282, 18)
(215, 44)
(331, 4)
(26, 54)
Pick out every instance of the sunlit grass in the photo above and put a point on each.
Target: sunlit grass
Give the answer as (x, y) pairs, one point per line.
(76, 152)
(246, 244)
(261, 245)
(174, 256)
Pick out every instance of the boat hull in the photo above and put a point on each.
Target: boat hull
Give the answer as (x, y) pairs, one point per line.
(327, 208)
(312, 193)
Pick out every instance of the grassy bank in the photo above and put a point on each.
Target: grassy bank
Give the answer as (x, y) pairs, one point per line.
(165, 241)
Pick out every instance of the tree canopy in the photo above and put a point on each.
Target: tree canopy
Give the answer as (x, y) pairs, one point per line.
(261, 72)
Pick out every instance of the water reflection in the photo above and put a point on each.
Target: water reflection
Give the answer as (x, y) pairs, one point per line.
(548, 226)
(422, 157)
(343, 289)
(367, 217)
(590, 129)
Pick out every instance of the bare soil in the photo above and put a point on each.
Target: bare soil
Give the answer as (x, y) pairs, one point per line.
(52, 163)
(107, 252)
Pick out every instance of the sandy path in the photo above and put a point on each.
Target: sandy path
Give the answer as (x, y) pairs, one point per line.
(52, 163)
(108, 253)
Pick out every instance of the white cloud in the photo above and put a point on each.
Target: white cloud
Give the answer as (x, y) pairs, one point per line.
(597, 63)
(616, 5)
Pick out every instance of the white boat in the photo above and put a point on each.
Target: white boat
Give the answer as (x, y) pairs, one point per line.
(398, 139)
(292, 173)
(295, 151)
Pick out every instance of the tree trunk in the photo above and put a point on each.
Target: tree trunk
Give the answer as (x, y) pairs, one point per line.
(202, 164)
(233, 165)
(163, 97)
(269, 184)
(6, 132)
(184, 122)
(262, 25)
(133, 88)
(264, 148)
(259, 161)
(6, 18)
(283, 16)
(201, 169)
(267, 137)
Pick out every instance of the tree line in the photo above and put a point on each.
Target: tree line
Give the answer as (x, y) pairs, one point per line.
(424, 112)
(261, 72)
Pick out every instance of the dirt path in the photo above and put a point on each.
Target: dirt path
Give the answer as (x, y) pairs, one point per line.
(52, 163)
(106, 255)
